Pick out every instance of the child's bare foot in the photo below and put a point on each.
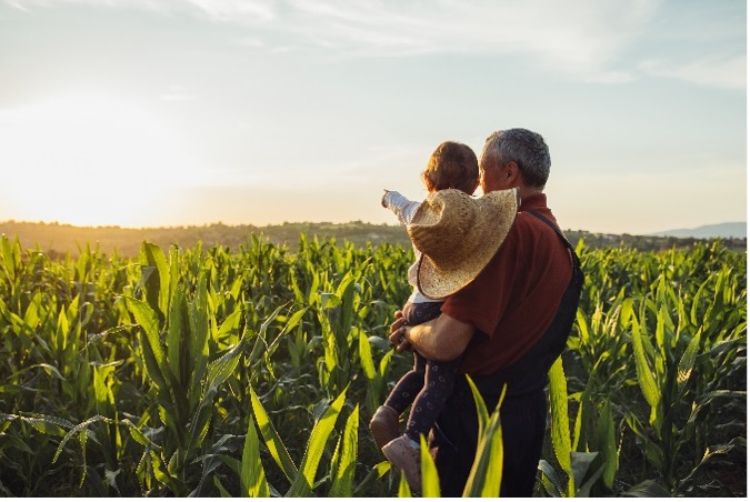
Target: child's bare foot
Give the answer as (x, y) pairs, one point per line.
(384, 425)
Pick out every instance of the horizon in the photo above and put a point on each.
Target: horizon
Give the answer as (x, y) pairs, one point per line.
(303, 222)
(138, 114)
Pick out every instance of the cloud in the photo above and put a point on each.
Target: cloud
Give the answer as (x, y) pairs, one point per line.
(253, 42)
(17, 4)
(581, 37)
(177, 93)
(576, 35)
(252, 11)
(244, 11)
(585, 40)
(725, 72)
(610, 77)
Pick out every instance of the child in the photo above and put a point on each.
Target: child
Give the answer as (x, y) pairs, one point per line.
(427, 386)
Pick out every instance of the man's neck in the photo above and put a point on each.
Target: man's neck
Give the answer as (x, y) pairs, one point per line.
(526, 192)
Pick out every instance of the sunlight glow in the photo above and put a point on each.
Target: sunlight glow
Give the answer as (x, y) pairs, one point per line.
(88, 160)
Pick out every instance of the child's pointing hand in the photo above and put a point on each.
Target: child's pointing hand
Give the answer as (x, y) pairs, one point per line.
(385, 194)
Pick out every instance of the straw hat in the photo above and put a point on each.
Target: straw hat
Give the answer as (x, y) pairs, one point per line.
(458, 235)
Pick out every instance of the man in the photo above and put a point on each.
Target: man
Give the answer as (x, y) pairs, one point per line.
(510, 323)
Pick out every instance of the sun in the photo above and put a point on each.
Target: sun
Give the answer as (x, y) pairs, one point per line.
(88, 160)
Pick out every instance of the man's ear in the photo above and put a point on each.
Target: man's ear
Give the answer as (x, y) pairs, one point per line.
(511, 171)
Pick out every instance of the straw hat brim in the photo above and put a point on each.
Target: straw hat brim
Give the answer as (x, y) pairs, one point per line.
(496, 219)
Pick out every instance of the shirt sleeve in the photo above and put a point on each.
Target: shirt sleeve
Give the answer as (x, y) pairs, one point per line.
(484, 301)
(403, 208)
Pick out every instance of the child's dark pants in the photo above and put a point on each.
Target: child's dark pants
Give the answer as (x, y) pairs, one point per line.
(428, 385)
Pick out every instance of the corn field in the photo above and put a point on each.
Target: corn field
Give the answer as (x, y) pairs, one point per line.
(254, 373)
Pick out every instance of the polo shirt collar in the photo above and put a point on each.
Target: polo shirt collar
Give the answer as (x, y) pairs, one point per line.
(534, 201)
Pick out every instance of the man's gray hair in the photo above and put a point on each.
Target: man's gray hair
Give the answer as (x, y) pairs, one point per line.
(526, 148)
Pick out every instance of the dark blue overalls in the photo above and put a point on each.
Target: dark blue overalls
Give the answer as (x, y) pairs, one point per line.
(523, 413)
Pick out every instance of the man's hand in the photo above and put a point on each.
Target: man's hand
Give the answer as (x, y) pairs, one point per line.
(398, 336)
(441, 339)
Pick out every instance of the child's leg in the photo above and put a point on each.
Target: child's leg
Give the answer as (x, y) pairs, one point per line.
(417, 313)
(411, 383)
(408, 387)
(439, 378)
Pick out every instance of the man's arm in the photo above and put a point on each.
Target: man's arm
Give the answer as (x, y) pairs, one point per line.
(442, 339)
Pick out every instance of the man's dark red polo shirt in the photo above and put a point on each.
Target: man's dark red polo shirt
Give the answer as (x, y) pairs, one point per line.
(515, 297)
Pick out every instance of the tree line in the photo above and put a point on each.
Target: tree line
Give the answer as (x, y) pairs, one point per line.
(59, 239)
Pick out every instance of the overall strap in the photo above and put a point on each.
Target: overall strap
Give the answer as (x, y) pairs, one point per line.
(559, 233)
(554, 227)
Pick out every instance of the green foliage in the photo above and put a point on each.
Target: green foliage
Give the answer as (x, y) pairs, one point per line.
(485, 477)
(559, 429)
(204, 372)
(344, 468)
(430, 480)
(305, 479)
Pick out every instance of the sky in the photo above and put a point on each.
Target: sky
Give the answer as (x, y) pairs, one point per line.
(180, 112)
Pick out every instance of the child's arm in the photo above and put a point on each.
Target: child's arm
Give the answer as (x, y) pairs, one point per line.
(403, 208)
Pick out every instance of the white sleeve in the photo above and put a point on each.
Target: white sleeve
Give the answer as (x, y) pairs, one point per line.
(403, 208)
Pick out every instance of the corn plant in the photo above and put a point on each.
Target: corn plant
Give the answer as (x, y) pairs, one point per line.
(253, 371)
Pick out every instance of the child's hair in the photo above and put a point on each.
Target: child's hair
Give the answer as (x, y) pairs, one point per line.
(452, 165)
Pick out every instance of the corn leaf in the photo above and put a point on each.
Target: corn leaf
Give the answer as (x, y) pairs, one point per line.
(344, 476)
(483, 415)
(687, 362)
(645, 376)
(485, 476)
(365, 356)
(322, 429)
(560, 432)
(607, 443)
(403, 486)
(177, 326)
(430, 479)
(252, 476)
(273, 442)
(149, 321)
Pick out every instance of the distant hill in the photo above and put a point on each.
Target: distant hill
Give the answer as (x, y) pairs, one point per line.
(735, 229)
(58, 239)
